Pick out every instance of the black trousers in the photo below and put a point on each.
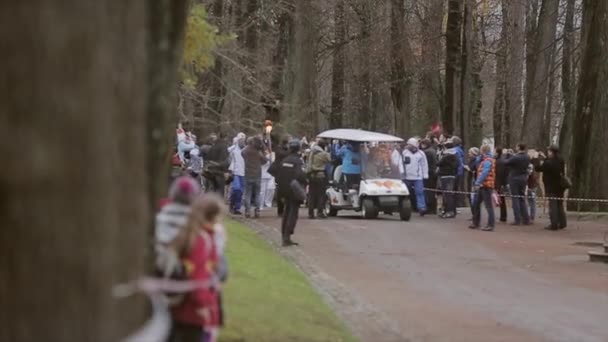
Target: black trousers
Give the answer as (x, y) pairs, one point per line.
(280, 203)
(185, 333)
(290, 218)
(503, 204)
(557, 214)
(430, 196)
(217, 184)
(316, 199)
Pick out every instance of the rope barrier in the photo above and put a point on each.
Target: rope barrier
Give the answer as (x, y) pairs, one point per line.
(506, 195)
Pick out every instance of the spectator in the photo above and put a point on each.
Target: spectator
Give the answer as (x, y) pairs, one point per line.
(184, 147)
(447, 171)
(351, 163)
(416, 171)
(471, 168)
(237, 168)
(197, 317)
(484, 185)
(196, 164)
(431, 183)
(254, 159)
(268, 184)
(317, 178)
(553, 168)
(502, 180)
(217, 165)
(460, 202)
(518, 180)
(170, 221)
(532, 192)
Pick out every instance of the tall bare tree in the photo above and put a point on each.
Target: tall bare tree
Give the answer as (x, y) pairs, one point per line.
(452, 64)
(338, 60)
(540, 73)
(590, 124)
(401, 75)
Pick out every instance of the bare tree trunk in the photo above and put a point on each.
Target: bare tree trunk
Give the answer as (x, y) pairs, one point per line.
(431, 92)
(364, 55)
(568, 80)
(589, 126)
(531, 36)
(500, 122)
(279, 59)
(536, 106)
(466, 79)
(79, 200)
(305, 79)
(401, 82)
(514, 16)
(452, 63)
(337, 84)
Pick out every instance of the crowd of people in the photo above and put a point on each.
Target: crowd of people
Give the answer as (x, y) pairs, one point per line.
(190, 237)
(431, 167)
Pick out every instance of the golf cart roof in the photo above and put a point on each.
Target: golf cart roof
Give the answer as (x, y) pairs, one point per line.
(358, 135)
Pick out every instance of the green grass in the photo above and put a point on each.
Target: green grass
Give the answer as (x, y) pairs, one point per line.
(268, 299)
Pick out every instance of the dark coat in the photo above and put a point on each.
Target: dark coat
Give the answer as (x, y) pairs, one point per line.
(552, 170)
(502, 172)
(218, 157)
(448, 165)
(431, 159)
(518, 166)
(290, 168)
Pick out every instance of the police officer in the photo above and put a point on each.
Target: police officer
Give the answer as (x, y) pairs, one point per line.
(289, 169)
(317, 178)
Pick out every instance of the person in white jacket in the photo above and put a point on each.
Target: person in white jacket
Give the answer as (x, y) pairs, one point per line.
(237, 168)
(416, 170)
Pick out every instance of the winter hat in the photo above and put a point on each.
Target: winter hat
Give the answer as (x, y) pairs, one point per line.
(412, 142)
(456, 140)
(184, 190)
(474, 151)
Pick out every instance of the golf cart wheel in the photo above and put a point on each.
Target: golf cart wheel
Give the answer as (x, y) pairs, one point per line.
(369, 209)
(330, 210)
(405, 209)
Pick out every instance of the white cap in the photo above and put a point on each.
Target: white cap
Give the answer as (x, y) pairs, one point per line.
(412, 141)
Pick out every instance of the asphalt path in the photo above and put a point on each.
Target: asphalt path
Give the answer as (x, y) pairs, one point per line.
(436, 280)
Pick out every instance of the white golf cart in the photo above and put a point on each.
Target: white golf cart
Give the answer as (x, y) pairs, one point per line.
(378, 191)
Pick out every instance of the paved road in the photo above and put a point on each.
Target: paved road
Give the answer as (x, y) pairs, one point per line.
(436, 280)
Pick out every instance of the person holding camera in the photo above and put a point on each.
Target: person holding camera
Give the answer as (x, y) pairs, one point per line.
(556, 183)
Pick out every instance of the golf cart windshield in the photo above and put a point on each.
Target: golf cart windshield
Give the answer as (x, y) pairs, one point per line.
(378, 162)
(376, 151)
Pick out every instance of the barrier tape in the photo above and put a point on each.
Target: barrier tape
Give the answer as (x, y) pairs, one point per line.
(569, 199)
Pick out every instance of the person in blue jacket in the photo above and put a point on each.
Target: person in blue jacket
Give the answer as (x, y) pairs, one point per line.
(459, 185)
(351, 162)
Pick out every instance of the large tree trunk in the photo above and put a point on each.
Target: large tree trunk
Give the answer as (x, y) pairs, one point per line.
(452, 64)
(588, 167)
(401, 76)
(365, 51)
(430, 94)
(534, 116)
(279, 59)
(568, 80)
(79, 199)
(337, 83)
(514, 17)
(307, 119)
(467, 91)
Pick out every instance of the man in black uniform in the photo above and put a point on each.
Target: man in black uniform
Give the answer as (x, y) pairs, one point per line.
(281, 152)
(286, 171)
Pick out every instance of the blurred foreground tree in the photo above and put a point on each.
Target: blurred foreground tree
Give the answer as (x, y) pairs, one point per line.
(86, 105)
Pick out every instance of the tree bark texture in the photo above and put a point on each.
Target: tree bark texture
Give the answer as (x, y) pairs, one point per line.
(452, 64)
(514, 16)
(590, 123)
(534, 116)
(568, 80)
(81, 149)
(338, 60)
(401, 78)
(430, 93)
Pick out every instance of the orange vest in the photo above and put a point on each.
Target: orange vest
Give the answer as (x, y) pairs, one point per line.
(489, 181)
